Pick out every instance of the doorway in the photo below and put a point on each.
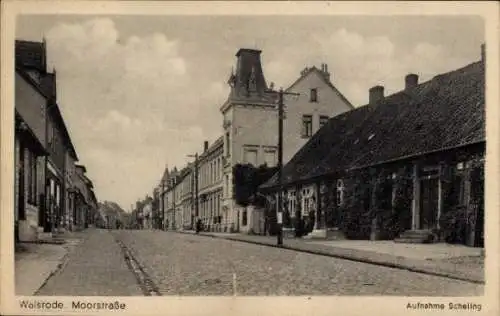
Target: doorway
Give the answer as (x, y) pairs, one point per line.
(429, 203)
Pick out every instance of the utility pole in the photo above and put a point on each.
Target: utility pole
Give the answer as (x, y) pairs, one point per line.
(279, 211)
(195, 174)
(162, 203)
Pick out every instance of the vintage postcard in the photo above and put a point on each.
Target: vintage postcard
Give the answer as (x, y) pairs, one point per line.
(249, 158)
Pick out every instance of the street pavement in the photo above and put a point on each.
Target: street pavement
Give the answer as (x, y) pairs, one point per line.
(184, 264)
(95, 268)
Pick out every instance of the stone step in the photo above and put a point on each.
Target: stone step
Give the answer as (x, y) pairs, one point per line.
(411, 240)
(335, 235)
(416, 234)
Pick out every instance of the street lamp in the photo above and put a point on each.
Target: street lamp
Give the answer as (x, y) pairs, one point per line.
(195, 174)
(279, 211)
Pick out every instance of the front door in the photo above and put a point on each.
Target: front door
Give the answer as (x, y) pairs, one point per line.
(429, 203)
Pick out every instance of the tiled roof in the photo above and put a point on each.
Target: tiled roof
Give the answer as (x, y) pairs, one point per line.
(443, 113)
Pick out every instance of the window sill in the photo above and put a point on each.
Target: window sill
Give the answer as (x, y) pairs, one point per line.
(305, 137)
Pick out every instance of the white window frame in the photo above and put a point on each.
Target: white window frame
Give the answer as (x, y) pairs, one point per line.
(340, 191)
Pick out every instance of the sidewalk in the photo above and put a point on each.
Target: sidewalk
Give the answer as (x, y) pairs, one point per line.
(97, 267)
(451, 261)
(36, 262)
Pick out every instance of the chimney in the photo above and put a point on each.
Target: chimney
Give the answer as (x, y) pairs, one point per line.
(376, 94)
(325, 71)
(205, 146)
(483, 52)
(411, 81)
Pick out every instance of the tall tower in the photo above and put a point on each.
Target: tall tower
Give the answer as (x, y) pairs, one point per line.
(250, 122)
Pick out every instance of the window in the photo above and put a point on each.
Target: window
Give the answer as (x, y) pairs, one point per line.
(250, 156)
(305, 210)
(322, 120)
(228, 145)
(226, 187)
(314, 95)
(50, 133)
(291, 202)
(270, 158)
(211, 172)
(340, 192)
(31, 175)
(306, 125)
(217, 171)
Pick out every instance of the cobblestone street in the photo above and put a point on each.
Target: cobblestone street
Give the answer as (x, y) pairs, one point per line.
(95, 268)
(182, 264)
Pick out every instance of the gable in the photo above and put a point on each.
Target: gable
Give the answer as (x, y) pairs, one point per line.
(315, 78)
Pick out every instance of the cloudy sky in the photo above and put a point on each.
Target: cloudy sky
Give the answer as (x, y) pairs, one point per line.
(140, 92)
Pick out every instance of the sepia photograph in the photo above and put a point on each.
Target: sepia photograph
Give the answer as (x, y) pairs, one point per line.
(247, 155)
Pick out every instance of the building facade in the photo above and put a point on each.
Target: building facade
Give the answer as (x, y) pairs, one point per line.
(250, 122)
(44, 153)
(210, 187)
(187, 198)
(30, 140)
(409, 166)
(85, 210)
(249, 136)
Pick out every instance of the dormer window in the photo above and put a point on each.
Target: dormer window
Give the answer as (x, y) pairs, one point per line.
(314, 95)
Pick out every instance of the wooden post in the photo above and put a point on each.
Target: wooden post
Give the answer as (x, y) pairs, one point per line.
(374, 183)
(415, 210)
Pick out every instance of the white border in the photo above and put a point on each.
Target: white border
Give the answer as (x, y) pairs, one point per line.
(253, 305)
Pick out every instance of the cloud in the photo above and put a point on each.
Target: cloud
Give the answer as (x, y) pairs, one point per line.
(359, 62)
(132, 104)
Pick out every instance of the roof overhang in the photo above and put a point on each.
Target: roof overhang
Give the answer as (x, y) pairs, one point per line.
(28, 137)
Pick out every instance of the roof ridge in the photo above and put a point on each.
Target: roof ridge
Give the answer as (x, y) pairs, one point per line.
(439, 114)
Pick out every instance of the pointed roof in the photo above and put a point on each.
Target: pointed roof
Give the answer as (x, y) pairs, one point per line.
(165, 175)
(248, 83)
(443, 113)
(325, 77)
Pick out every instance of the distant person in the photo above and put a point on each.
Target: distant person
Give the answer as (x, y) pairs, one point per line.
(198, 226)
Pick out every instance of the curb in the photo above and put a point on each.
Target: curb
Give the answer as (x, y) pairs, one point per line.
(60, 266)
(351, 258)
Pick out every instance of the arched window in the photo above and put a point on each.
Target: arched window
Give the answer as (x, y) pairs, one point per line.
(340, 192)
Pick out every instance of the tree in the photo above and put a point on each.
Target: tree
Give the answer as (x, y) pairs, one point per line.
(247, 180)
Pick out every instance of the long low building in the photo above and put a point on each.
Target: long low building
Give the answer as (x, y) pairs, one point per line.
(408, 166)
